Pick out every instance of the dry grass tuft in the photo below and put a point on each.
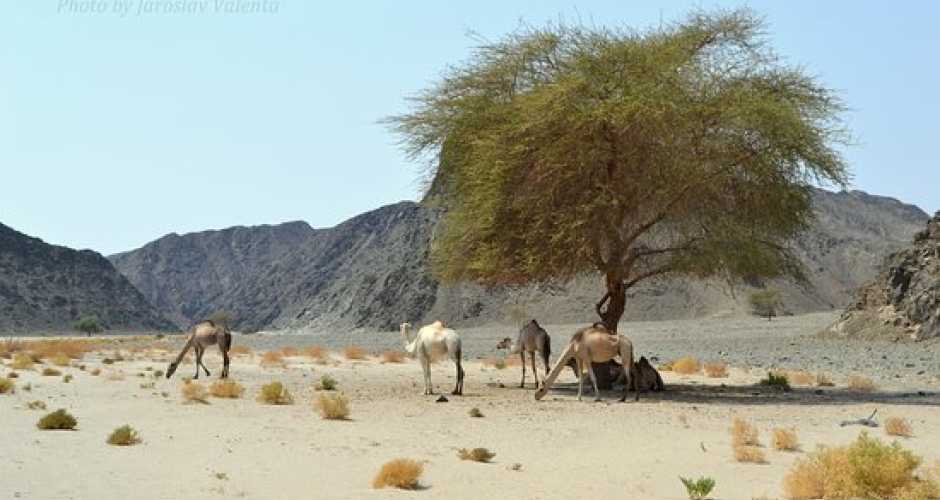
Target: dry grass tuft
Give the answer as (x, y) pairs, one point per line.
(194, 392)
(686, 366)
(67, 378)
(476, 413)
(275, 394)
(124, 436)
(716, 370)
(60, 359)
(13, 375)
(861, 384)
(326, 383)
(743, 433)
(71, 348)
(354, 352)
(115, 376)
(22, 361)
(7, 386)
(399, 473)
(50, 372)
(333, 406)
(749, 454)
(785, 440)
(867, 468)
(240, 350)
(59, 420)
(318, 354)
(289, 351)
(800, 377)
(95, 372)
(476, 454)
(36, 405)
(823, 380)
(227, 388)
(393, 357)
(896, 426)
(665, 367)
(272, 359)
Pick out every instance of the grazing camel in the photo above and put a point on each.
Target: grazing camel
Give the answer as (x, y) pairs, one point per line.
(202, 335)
(532, 337)
(593, 345)
(434, 342)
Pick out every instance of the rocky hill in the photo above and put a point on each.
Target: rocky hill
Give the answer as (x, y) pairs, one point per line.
(903, 302)
(372, 272)
(45, 288)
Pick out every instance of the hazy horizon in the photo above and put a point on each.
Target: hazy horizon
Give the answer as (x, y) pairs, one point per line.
(119, 127)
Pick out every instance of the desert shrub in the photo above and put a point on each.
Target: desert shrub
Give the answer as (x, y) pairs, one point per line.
(13, 375)
(393, 357)
(686, 366)
(7, 386)
(95, 372)
(124, 436)
(743, 433)
(272, 359)
(22, 361)
(801, 378)
(354, 352)
(495, 362)
(665, 367)
(226, 388)
(896, 426)
(861, 384)
(50, 372)
(716, 370)
(698, 489)
(776, 381)
(57, 420)
(67, 378)
(158, 374)
(240, 350)
(333, 406)
(50, 349)
(749, 454)
(148, 385)
(194, 392)
(823, 380)
(60, 359)
(107, 361)
(476, 454)
(866, 468)
(289, 351)
(28, 387)
(275, 394)
(36, 405)
(317, 354)
(476, 413)
(327, 383)
(115, 375)
(785, 440)
(399, 473)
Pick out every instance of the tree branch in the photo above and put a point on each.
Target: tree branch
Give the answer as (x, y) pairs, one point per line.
(644, 276)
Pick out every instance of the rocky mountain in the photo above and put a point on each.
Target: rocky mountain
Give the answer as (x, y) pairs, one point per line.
(903, 301)
(46, 288)
(373, 272)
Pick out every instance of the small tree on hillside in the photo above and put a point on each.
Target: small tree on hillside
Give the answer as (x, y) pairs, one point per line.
(87, 325)
(686, 150)
(765, 303)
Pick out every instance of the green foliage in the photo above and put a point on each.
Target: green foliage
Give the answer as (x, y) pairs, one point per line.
(776, 380)
(765, 303)
(688, 149)
(57, 420)
(698, 489)
(327, 383)
(124, 436)
(87, 325)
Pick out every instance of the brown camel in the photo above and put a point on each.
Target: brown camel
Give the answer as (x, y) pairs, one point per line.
(532, 337)
(202, 335)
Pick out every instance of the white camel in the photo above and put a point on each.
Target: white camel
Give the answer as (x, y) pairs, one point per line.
(434, 342)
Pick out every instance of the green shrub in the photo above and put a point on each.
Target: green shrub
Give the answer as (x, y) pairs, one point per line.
(699, 488)
(57, 420)
(36, 405)
(776, 381)
(124, 436)
(327, 383)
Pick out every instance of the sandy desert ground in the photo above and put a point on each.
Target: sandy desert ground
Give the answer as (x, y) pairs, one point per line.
(556, 448)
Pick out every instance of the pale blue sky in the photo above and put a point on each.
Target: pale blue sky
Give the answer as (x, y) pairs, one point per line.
(117, 130)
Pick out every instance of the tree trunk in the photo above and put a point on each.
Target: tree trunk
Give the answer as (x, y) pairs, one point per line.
(616, 300)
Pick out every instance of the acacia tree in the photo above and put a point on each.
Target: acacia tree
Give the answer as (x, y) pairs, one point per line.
(686, 150)
(87, 325)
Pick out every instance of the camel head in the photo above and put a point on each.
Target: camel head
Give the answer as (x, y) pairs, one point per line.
(506, 343)
(409, 345)
(540, 393)
(170, 370)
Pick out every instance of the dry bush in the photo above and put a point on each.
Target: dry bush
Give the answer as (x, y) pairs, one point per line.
(512, 361)
(393, 357)
(275, 394)
(326, 383)
(476, 413)
(50, 372)
(13, 375)
(67, 378)
(785, 440)
(800, 377)
(60, 359)
(476, 454)
(333, 406)
(317, 354)
(743, 433)
(861, 384)
(7, 386)
(665, 367)
(399, 473)
(36, 405)
(866, 468)
(10, 346)
(716, 370)
(240, 350)
(749, 454)
(95, 372)
(115, 376)
(22, 361)
(59, 420)
(354, 352)
(272, 359)
(289, 351)
(823, 380)
(72, 348)
(194, 392)
(686, 366)
(227, 388)
(124, 436)
(896, 426)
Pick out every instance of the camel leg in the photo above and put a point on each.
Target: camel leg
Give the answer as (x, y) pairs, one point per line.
(590, 369)
(225, 363)
(198, 352)
(200, 363)
(458, 389)
(535, 373)
(580, 378)
(522, 355)
(426, 368)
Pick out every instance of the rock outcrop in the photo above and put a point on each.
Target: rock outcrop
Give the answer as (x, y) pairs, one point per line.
(903, 302)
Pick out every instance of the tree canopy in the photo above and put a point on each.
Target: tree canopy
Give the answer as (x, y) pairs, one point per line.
(690, 149)
(87, 325)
